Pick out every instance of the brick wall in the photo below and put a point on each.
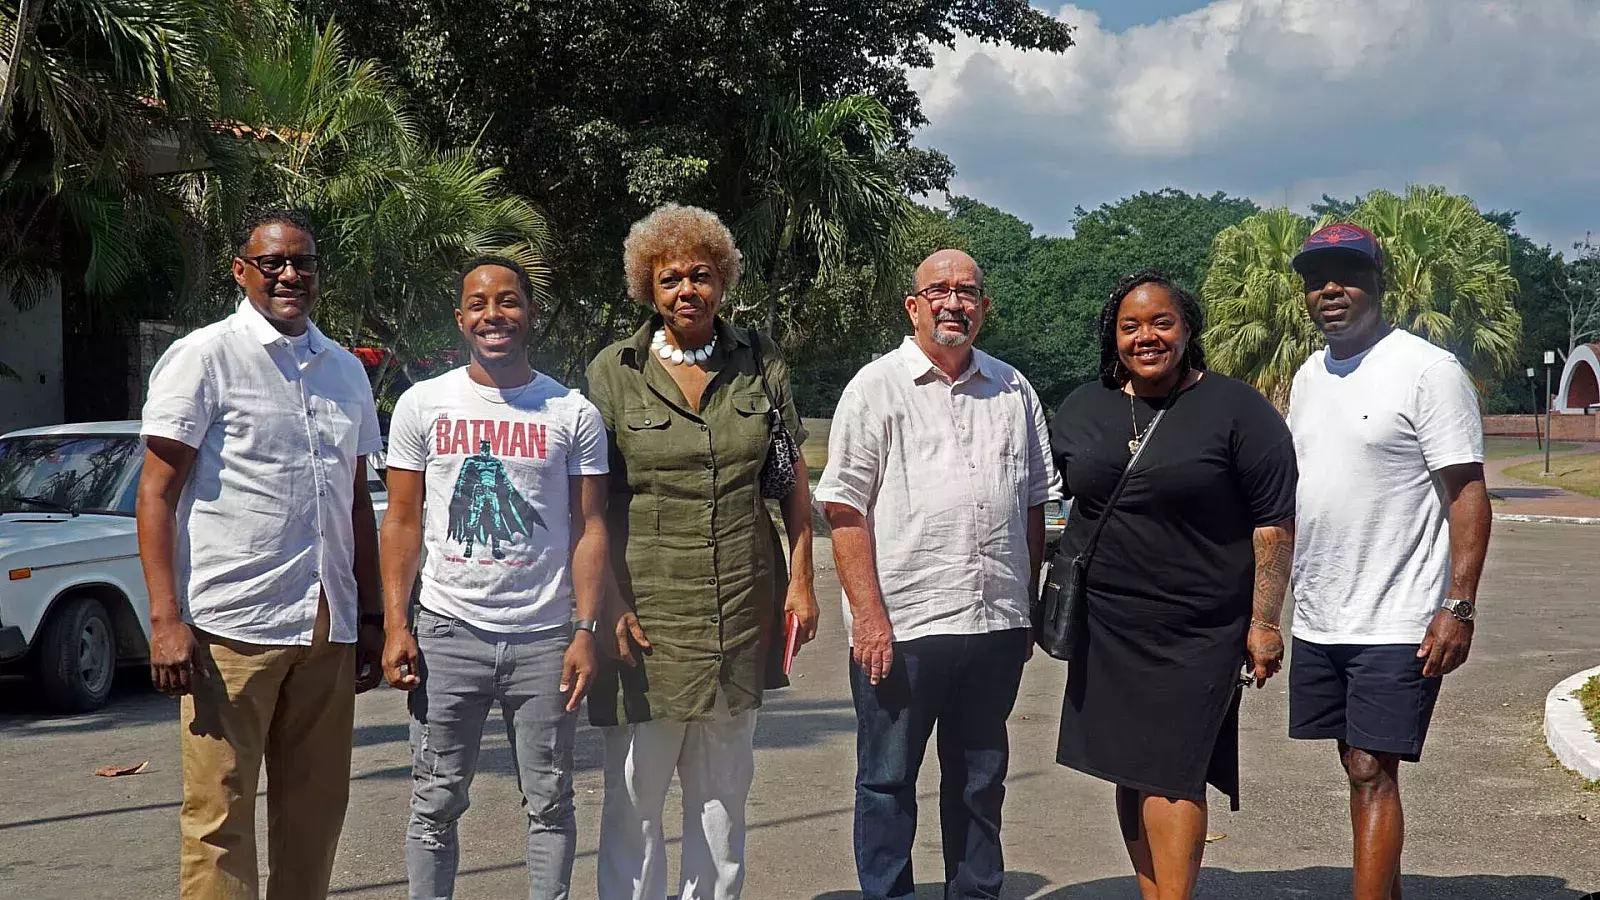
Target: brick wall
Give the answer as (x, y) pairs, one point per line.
(1563, 427)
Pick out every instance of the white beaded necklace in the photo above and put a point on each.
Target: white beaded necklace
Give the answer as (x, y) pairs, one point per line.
(679, 356)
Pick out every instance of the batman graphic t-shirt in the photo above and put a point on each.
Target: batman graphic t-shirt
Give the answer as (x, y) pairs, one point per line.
(497, 466)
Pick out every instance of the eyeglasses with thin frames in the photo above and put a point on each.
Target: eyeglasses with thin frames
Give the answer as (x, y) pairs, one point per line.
(939, 293)
(273, 265)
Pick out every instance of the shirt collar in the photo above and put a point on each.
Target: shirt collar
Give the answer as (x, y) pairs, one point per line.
(639, 343)
(919, 365)
(262, 330)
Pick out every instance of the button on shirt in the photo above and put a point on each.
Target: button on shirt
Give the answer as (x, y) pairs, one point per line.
(264, 522)
(945, 472)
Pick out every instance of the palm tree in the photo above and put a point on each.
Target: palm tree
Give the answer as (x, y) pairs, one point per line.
(1448, 275)
(1256, 323)
(1447, 278)
(821, 196)
(90, 87)
(400, 216)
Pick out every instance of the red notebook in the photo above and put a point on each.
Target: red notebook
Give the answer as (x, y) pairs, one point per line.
(791, 640)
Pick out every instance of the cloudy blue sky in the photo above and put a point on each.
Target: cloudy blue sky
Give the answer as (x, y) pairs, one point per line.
(1281, 101)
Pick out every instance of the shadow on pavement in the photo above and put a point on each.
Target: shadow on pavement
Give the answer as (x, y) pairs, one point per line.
(93, 814)
(782, 724)
(1315, 882)
(133, 702)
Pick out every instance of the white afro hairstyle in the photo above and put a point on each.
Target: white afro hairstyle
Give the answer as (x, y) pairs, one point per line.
(673, 229)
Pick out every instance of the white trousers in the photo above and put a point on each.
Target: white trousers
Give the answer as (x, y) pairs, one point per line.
(715, 762)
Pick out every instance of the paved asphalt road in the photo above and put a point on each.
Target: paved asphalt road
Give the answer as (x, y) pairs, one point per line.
(1489, 816)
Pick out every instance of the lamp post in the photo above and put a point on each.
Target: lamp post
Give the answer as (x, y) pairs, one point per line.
(1549, 363)
(1533, 394)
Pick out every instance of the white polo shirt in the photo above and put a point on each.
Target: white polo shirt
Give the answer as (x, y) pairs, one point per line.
(264, 522)
(945, 472)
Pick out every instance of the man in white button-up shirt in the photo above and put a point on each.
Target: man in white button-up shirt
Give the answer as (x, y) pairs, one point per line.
(938, 472)
(260, 553)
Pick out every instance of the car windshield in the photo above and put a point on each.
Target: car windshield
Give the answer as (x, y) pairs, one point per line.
(62, 474)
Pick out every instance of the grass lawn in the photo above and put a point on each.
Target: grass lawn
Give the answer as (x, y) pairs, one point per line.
(1510, 448)
(1580, 473)
(1589, 696)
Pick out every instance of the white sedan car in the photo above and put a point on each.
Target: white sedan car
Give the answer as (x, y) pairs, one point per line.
(73, 605)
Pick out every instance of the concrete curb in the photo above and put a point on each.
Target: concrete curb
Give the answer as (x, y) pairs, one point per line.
(1547, 520)
(1567, 732)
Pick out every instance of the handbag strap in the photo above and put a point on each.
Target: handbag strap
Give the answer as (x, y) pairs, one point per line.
(761, 368)
(1116, 492)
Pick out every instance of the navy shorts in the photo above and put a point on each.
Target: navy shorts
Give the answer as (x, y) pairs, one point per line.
(1371, 696)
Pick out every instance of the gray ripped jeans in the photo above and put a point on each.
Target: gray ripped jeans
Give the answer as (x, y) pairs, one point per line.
(464, 670)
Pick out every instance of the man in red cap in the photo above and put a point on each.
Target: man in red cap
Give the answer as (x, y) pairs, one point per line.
(1392, 526)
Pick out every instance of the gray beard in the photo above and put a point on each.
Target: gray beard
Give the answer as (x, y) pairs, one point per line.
(944, 339)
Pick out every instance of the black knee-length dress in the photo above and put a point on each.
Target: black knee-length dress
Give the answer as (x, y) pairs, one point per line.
(1151, 701)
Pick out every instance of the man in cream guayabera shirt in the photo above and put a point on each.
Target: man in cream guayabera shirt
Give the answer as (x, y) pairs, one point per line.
(260, 553)
(935, 488)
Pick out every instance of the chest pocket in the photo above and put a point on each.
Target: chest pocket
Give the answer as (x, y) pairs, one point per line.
(337, 425)
(752, 420)
(646, 432)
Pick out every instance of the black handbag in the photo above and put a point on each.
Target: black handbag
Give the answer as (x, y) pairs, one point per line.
(778, 476)
(1061, 612)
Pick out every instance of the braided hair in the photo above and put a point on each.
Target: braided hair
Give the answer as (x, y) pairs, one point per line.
(1112, 373)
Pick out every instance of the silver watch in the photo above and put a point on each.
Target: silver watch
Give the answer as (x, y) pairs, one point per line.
(1464, 610)
(589, 625)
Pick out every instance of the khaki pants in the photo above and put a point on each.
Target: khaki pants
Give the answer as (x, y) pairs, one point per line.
(295, 708)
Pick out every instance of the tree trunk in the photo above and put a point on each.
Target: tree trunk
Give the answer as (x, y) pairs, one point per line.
(776, 281)
(27, 17)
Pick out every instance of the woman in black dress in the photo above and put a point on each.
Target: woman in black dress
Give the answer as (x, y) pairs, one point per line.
(1187, 582)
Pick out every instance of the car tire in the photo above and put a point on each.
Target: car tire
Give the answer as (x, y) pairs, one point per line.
(77, 656)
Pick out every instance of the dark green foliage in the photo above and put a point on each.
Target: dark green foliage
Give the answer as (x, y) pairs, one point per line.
(599, 110)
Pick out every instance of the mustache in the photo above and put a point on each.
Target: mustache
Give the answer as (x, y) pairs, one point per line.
(953, 315)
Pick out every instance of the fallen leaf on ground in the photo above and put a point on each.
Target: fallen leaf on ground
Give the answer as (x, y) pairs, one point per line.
(1214, 836)
(115, 771)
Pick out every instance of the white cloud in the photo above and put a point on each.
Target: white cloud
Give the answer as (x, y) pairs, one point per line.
(1281, 100)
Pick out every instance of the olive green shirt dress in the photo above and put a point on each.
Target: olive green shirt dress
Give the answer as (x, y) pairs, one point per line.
(695, 552)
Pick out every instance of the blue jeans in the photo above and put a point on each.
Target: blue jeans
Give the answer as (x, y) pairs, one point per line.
(967, 684)
(464, 670)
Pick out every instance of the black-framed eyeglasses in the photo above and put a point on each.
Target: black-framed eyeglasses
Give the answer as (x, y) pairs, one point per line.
(272, 264)
(938, 293)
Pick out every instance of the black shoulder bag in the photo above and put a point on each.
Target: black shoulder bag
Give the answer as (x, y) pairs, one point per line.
(1061, 612)
(778, 476)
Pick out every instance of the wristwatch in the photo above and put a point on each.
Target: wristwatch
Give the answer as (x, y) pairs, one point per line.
(1464, 610)
(589, 625)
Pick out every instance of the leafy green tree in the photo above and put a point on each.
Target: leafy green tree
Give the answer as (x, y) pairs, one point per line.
(90, 89)
(1448, 275)
(820, 192)
(401, 216)
(1446, 269)
(1256, 323)
(599, 110)
(1048, 290)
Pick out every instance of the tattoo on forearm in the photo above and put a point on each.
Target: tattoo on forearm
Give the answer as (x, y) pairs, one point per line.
(1274, 547)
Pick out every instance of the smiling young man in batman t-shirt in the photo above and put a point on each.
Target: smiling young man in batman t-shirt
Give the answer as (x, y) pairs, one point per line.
(512, 465)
